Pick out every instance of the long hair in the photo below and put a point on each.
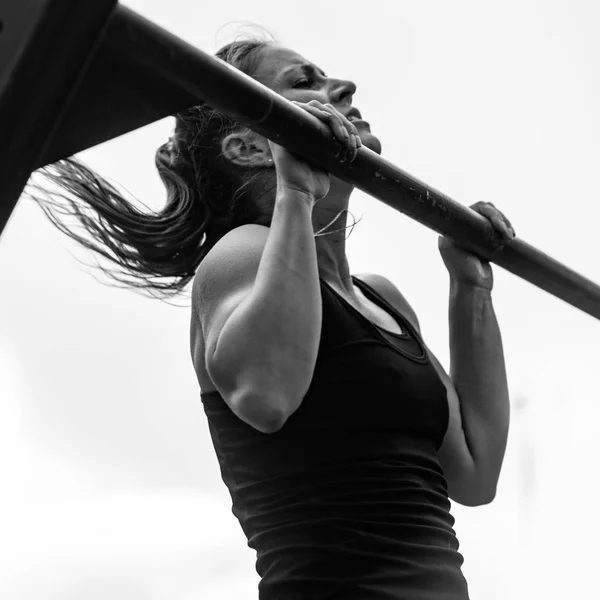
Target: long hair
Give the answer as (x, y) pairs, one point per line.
(159, 252)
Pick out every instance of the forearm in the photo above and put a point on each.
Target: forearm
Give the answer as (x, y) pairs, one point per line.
(273, 335)
(478, 373)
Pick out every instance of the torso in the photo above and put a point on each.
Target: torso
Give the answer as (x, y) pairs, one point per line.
(371, 311)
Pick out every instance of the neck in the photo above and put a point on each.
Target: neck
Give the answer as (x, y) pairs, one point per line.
(331, 248)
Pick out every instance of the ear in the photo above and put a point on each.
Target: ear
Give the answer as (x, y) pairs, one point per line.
(247, 149)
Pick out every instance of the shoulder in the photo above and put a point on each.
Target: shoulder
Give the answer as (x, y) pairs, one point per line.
(385, 288)
(236, 252)
(231, 264)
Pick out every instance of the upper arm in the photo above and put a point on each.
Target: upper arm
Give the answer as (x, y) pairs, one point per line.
(223, 280)
(454, 454)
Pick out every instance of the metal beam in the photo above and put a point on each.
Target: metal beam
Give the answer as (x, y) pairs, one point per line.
(119, 93)
(44, 48)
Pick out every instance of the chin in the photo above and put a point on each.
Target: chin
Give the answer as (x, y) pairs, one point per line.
(370, 141)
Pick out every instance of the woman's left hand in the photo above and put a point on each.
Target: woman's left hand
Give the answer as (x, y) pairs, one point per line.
(463, 266)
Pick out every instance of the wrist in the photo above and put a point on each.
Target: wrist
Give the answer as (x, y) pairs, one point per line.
(293, 193)
(461, 286)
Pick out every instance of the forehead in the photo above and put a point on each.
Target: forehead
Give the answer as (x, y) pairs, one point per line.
(274, 61)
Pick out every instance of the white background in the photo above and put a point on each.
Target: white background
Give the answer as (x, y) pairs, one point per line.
(110, 486)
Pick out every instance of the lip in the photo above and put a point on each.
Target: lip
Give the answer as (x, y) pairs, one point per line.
(353, 112)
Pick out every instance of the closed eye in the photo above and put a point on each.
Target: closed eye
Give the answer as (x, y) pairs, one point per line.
(310, 77)
(304, 82)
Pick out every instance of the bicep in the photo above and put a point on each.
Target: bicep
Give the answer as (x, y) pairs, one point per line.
(242, 358)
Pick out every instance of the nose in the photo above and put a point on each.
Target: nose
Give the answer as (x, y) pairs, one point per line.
(342, 89)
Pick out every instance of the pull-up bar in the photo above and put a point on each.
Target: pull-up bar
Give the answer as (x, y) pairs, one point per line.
(141, 73)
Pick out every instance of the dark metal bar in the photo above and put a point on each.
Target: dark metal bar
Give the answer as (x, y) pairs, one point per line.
(187, 74)
(44, 48)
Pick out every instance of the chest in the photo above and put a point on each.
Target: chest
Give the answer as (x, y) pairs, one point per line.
(377, 316)
(369, 377)
(370, 310)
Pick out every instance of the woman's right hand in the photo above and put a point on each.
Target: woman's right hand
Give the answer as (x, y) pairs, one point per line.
(293, 173)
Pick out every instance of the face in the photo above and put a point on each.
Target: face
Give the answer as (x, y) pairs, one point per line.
(295, 78)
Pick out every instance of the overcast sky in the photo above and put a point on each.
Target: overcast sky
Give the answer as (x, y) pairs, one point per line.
(110, 484)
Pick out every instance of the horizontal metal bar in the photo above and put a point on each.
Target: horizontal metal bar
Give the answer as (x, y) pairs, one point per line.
(187, 71)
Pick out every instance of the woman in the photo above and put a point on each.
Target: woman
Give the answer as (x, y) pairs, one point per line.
(339, 435)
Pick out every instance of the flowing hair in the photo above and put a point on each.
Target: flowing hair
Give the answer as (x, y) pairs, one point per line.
(158, 252)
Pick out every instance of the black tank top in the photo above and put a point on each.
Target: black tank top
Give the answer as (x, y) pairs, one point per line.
(347, 501)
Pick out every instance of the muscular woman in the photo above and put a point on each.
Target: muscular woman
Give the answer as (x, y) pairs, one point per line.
(339, 435)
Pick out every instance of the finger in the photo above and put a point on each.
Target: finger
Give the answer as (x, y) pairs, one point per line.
(343, 131)
(315, 108)
(350, 127)
(343, 136)
(502, 227)
(496, 217)
(500, 224)
(507, 225)
(350, 133)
